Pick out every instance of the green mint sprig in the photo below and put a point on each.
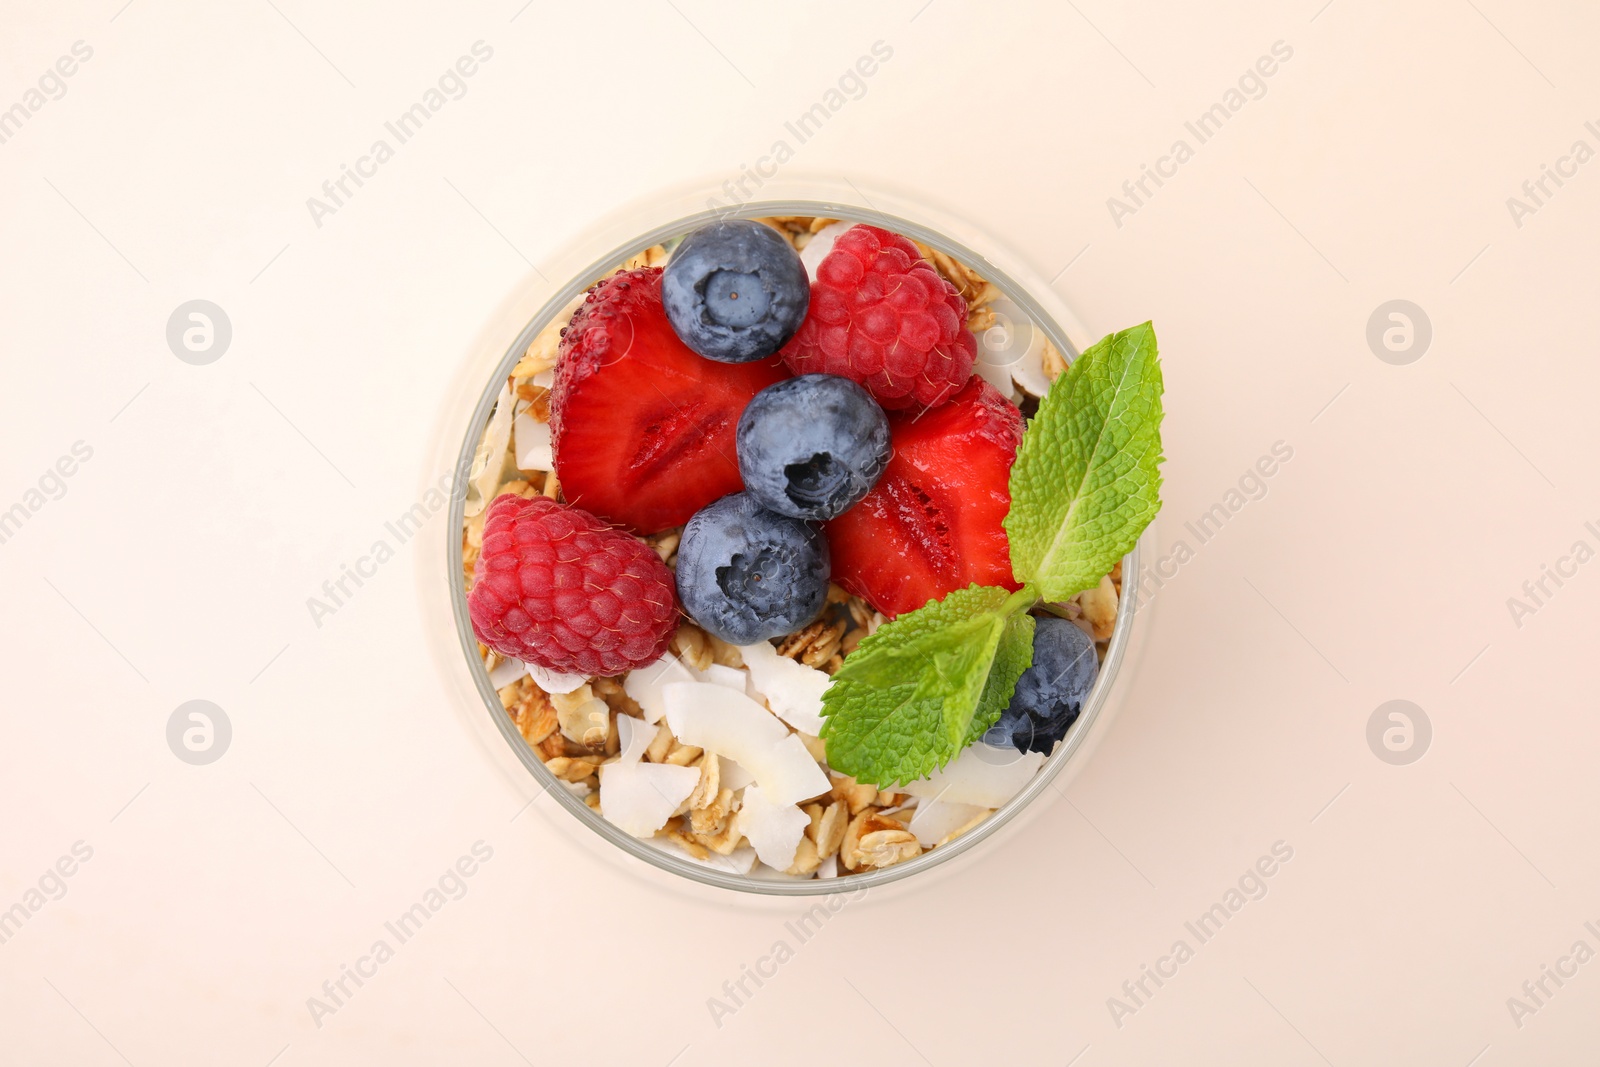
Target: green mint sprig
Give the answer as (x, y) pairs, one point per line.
(1087, 481)
(927, 684)
(1085, 485)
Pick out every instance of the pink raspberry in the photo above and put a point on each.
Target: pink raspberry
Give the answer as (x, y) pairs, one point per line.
(881, 316)
(557, 587)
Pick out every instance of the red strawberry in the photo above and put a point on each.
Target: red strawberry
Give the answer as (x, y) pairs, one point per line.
(643, 427)
(932, 523)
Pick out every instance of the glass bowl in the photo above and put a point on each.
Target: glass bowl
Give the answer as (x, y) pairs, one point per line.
(922, 223)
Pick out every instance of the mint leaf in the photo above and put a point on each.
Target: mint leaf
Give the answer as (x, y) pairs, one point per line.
(1086, 481)
(914, 694)
(1012, 656)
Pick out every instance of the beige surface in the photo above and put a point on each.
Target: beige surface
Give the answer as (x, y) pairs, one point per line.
(1419, 498)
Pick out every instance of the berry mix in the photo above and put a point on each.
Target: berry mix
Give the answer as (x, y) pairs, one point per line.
(743, 559)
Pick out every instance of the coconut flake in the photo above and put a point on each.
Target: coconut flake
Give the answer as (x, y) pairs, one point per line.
(789, 773)
(644, 684)
(829, 868)
(733, 776)
(983, 775)
(509, 670)
(635, 736)
(545, 379)
(774, 830)
(936, 820)
(639, 798)
(555, 681)
(720, 720)
(506, 672)
(533, 444)
(821, 243)
(716, 717)
(732, 677)
(489, 461)
(793, 691)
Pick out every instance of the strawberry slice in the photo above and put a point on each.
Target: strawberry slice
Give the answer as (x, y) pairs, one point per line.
(932, 523)
(643, 428)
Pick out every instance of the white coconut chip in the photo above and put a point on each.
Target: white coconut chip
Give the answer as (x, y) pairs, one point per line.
(793, 691)
(821, 243)
(490, 459)
(732, 677)
(720, 720)
(829, 868)
(774, 830)
(936, 820)
(506, 672)
(634, 735)
(639, 798)
(535, 452)
(644, 684)
(733, 776)
(983, 775)
(509, 670)
(545, 379)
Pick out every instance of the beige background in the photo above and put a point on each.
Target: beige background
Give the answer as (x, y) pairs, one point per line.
(1378, 565)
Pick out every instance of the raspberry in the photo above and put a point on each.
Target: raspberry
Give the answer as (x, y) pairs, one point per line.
(557, 587)
(881, 316)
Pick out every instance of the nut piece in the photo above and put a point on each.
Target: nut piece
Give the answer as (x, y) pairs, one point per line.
(856, 794)
(885, 848)
(683, 755)
(541, 353)
(862, 827)
(726, 838)
(654, 256)
(815, 645)
(570, 770)
(533, 713)
(724, 653)
(661, 744)
(831, 829)
(583, 717)
(610, 690)
(692, 646)
(814, 813)
(705, 790)
(665, 544)
(690, 845)
(712, 819)
(1099, 607)
(806, 859)
(974, 290)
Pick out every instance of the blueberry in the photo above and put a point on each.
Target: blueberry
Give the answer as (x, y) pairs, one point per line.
(735, 291)
(811, 447)
(1051, 692)
(746, 574)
